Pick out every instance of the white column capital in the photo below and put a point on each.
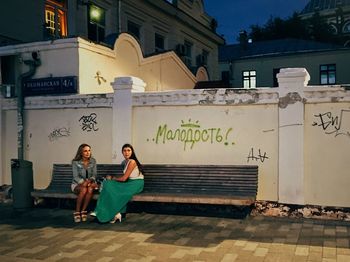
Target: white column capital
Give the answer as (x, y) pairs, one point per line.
(293, 78)
(128, 82)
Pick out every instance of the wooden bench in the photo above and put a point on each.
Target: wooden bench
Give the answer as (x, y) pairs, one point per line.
(191, 184)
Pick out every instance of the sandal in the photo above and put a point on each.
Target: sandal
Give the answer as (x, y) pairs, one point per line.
(83, 216)
(117, 217)
(77, 217)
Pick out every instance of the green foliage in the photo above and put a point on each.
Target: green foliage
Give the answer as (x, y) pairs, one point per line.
(314, 28)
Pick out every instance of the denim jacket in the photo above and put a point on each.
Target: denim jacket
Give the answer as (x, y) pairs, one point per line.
(80, 173)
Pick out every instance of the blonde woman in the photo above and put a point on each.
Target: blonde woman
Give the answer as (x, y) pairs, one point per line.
(84, 180)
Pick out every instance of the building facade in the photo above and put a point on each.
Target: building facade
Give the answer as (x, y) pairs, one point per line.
(248, 65)
(252, 65)
(159, 26)
(335, 12)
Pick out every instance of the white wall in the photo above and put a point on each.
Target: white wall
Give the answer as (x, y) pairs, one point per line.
(298, 135)
(327, 149)
(211, 135)
(54, 128)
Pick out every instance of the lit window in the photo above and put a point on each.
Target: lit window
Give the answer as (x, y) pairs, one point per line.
(55, 18)
(327, 74)
(158, 42)
(96, 27)
(249, 79)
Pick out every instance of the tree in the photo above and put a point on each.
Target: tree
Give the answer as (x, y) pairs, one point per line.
(314, 28)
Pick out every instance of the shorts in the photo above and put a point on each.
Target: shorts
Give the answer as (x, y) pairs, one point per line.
(73, 186)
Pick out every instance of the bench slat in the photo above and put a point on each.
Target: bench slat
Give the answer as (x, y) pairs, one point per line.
(205, 184)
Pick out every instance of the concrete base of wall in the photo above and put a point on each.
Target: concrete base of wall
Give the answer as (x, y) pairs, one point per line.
(274, 209)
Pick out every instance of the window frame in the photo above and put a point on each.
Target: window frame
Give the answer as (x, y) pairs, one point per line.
(188, 52)
(159, 48)
(249, 78)
(328, 74)
(135, 25)
(57, 26)
(96, 29)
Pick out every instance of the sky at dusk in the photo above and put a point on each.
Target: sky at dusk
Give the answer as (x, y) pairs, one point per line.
(236, 15)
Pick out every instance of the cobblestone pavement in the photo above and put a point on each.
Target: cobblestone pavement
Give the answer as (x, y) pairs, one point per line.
(43, 234)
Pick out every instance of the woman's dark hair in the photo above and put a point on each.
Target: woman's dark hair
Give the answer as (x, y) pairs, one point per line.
(133, 156)
(78, 155)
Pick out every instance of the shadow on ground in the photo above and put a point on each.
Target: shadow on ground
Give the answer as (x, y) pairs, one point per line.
(198, 228)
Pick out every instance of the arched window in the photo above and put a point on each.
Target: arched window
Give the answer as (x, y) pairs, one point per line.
(346, 27)
(334, 29)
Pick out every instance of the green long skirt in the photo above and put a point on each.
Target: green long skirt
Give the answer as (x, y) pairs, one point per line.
(115, 196)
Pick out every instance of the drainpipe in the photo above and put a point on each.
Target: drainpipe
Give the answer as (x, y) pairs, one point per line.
(33, 64)
(119, 6)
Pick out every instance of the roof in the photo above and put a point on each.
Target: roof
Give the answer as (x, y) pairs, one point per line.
(322, 5)
(279, 47)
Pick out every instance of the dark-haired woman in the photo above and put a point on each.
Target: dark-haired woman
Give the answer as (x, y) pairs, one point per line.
(117, 191)
(84, 180)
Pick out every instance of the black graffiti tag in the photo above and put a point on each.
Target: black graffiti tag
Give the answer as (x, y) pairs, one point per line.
(89, 122)
(259, 157)
(59, 132)
(333, 124)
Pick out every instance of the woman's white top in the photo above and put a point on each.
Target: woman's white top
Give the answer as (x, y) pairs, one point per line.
(135, 173)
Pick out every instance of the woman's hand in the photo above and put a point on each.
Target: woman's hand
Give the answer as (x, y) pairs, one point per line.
(119, 179)
(86, 183)
(108, 177)
(94, 185)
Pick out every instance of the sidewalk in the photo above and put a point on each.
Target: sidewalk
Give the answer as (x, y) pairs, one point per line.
(44, 234)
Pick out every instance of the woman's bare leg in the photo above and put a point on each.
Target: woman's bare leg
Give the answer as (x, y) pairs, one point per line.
(88, 195)
(81, 190)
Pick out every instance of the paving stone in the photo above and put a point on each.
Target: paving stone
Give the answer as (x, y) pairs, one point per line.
(342, 242)
(329, 252)
(315, 256)
(229, 258)
(50, 235)
(343, 251)
(329, 260)
(329, 232)
(261, 252)
(343, 258)
(250, 246)
(301, 251)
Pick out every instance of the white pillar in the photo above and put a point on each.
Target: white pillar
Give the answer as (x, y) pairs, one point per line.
(292, 82)
(122, 112)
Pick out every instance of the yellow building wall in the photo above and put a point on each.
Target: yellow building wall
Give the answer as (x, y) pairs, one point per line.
(160, 72)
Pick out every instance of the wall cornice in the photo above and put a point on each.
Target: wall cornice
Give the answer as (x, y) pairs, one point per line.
(329, 94)
(206, 97)
(181, 97)
(63, 102)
